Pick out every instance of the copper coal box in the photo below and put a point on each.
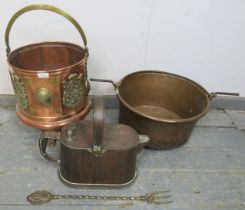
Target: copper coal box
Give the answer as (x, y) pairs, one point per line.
(97, 154)
(49, 78)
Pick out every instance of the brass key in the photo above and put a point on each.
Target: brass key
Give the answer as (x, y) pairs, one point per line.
(41, 197)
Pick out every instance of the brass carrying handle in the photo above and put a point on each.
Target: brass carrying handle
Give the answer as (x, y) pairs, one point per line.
(98, 123)
(42, 7)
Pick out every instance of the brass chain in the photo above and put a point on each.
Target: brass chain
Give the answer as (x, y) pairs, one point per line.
(98, 197)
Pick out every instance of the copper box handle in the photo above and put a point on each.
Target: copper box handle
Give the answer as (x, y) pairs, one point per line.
(98, 123)
(42, 7)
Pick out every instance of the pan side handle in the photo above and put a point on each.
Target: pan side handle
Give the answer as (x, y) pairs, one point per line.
(213, 95)
(104, 80)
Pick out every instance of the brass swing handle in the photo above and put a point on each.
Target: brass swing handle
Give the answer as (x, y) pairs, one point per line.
(42, 7)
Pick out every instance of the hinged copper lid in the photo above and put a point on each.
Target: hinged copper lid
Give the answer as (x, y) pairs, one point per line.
(97, 135)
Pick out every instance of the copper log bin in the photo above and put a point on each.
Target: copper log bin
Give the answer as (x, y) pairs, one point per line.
(49, 78)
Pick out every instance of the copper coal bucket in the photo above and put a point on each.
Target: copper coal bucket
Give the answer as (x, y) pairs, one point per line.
(162, 105)
(49, 78)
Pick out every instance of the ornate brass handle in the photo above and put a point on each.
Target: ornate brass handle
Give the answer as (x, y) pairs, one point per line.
(42, 7)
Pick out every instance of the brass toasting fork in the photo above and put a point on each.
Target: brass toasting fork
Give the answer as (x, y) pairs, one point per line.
(41, 197)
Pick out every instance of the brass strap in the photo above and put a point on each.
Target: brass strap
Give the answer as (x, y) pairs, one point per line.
(42, 7)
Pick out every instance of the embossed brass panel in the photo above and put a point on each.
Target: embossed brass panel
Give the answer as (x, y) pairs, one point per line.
(73, 91)
(20, 91)
(44, 96)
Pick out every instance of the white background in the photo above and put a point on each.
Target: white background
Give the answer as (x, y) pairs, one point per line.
(201, 39)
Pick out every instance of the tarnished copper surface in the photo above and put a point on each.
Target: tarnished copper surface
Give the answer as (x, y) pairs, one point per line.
(94, 153)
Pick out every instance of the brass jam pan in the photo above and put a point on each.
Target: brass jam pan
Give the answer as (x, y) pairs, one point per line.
(162, 105)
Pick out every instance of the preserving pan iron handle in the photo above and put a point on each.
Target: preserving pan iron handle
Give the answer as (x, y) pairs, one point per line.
(104, 80)
(98, 128)
(214, 94)
(43, 7)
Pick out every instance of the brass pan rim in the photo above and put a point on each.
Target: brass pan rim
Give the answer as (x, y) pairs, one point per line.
(174, 121)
